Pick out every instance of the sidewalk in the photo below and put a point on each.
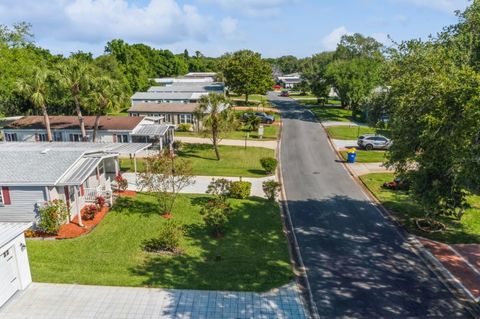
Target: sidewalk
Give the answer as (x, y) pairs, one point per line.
(201, 184)
(359, 169)
(55, 301)
(462, 261)
(250, 143)
(343, 144)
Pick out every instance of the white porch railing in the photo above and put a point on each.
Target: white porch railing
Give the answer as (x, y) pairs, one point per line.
(102, 190)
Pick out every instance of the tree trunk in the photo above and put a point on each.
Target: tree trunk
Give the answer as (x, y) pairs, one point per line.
(246, 99)
(95, 128)
(215, 141)
(47, 123)
(80, 119)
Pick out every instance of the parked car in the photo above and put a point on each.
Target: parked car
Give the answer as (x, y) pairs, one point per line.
(285, 93)
(397, 184)
(264, 117)
(371, 142)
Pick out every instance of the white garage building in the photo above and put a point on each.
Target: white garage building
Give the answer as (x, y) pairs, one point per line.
(14, 268)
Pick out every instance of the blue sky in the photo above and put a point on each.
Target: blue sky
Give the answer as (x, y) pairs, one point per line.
(271, 27)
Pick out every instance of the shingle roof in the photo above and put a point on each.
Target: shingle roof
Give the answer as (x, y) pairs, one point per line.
(71, 122)
(164, 107)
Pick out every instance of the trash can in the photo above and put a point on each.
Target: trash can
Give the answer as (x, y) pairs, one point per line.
(352, 155)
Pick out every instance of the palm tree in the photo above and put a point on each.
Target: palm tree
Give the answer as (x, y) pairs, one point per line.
(35, 91)
(75, 76)
(218, 116)
(103, 100)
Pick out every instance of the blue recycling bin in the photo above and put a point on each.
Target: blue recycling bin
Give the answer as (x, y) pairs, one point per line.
(351, 157)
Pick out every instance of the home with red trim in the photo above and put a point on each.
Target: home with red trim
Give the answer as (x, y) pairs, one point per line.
(33, 173)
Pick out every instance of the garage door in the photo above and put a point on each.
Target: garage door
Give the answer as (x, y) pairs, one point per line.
(8, 275)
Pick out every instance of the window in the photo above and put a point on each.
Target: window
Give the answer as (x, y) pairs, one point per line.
(1, 197)
(58, 136)
(11, 137)
(75, 137)
(122, 138)
(185, 118)
(41, 137)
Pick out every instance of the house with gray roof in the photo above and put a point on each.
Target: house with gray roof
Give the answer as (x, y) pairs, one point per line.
(32, 174)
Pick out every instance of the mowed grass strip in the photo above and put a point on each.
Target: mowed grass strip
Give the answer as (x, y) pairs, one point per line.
(329, 113)
(464, 231)
(367, 156)
(352, 132)
(235, 160)
(253, 253)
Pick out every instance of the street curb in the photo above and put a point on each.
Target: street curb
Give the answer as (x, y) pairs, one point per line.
(445, 276)
(293, 247)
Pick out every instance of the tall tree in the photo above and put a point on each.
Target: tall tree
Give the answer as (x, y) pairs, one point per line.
(247, 73)
(75, 76)
(217, 117)
(36, 91)
(103, 99)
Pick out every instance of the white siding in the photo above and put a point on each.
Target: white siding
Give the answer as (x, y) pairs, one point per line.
(23, 200)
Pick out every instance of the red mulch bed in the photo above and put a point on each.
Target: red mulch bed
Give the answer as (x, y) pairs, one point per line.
(73, 230)
(126, 193)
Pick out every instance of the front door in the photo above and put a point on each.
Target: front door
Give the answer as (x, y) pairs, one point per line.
(8, 275)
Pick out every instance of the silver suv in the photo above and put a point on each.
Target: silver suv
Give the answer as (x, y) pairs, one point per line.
(371, 141)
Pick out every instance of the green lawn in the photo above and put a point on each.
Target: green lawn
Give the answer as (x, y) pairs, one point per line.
(400, 204)
(270, 133)
(235, 160)
(253, 252)
(329, 113)
(252, 98)
(367, 156)
(352, 132)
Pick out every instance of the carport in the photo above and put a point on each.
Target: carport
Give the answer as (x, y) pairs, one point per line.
(14, 268)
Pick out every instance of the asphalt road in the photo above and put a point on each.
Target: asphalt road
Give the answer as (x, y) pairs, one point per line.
(358, 264)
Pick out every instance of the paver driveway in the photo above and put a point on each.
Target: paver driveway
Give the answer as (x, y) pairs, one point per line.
(59, 301)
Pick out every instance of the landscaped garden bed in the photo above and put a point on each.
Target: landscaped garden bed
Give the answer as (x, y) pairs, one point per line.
(251, 255)
(235, 160)
(464, 231)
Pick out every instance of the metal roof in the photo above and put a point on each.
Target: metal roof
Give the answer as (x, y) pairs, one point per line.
(162, 96)
(128, 148)
(82, 147)
(9, 231)
(151, 130)
(82, 169)
(188, 87)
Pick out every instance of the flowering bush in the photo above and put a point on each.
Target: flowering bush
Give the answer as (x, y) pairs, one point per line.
(122, 182)
(89, 212)
(100, 201)
(52, 216)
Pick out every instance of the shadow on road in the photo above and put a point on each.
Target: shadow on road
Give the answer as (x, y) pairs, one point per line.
(359, 266)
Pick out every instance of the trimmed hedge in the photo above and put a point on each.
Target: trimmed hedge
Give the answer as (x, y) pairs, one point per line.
(240, 190)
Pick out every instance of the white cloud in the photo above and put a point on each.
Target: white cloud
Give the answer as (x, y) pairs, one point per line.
(330, 41)
(228, 26)
(448, 6)
(96, 21)
(253, 8)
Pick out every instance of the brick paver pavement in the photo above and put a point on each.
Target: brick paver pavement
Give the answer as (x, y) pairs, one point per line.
(59, 301)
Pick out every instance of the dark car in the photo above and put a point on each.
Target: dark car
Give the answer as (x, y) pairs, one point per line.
(264, 117)
(285, 94)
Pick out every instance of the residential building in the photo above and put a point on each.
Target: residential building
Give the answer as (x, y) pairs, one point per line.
(161, 97)
(215, 87)
(112, 129)
(290, 80)
(33, 173)
(192, 77)
(174, 113)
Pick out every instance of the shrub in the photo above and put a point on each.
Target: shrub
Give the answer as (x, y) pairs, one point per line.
(215, 216)
(219, 187)
(168, 240)
(89, 212)
(269, 164)
(52, 216)
(100, 201)
(184, 127)
(271, 189)
(122, 183)
(240, 190)
(177, 145)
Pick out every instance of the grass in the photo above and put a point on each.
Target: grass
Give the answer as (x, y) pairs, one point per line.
(352, 132)
(329, 113)
(367, 156)
(235, 160)
(465, 231)
(251, 98)
(253, 252)
(270, 133)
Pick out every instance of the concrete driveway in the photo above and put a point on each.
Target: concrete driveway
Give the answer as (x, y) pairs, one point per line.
(56, 301)
(358, 264)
